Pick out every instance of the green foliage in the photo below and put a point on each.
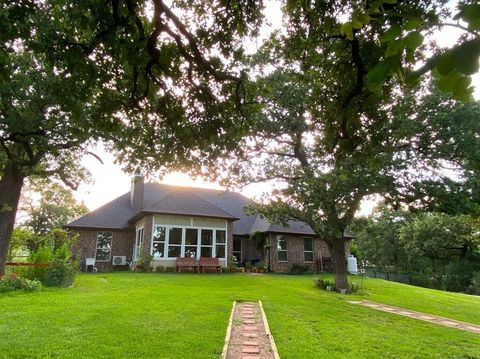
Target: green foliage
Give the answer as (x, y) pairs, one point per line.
(55, 207)
(62, 269)
(12, 282)
(61, 272)
(298, 269)
(145, 261)
(436, 250)
(324, 284)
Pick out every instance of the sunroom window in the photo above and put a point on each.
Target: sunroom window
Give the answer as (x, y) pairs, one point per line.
(158, 242)
(191, 242)
(175, 242)
(221, 243)
(206, 244)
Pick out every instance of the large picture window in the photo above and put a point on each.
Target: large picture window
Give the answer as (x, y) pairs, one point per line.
(158, 241)
(175, 242)
(169, 242)
(221, 243)
(104, 246)
(282, 253)
(308, 249)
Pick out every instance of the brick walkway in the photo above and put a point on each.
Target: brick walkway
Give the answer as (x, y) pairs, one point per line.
(420, 316)
(249, 336)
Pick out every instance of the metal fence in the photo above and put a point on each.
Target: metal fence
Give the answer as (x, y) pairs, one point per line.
(375, 272)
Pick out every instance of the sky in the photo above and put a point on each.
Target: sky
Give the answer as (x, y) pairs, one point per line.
(109, 181)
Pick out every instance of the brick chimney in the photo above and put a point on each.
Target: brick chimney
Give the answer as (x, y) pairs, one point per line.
(136, 192)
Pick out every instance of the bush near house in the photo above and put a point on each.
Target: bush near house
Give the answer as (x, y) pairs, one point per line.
(11, 282)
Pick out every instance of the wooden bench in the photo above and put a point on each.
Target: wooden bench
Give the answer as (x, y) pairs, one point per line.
(208, 262)
(186, 262)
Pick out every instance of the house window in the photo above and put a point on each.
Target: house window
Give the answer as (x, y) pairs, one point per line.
(206, 244)
(237, 249)
(175, 242)
(221, 243)
(104, 246)
(282, 249)
(138, 250)
(191, 242)
(158, 241)
(308, 249)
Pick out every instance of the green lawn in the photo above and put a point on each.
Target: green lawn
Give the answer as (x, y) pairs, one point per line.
(132, 315)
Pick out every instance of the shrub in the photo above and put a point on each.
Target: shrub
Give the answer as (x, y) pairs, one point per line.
(324, 284)
(12, 282)
(474, 288)
(232, 264)
(61, 273)
(145, 260)
(354, 288)
(298, 269)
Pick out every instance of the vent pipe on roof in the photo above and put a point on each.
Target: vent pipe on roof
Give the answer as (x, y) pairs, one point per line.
(136, 192)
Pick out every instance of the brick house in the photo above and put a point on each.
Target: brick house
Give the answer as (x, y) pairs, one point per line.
(170, 221)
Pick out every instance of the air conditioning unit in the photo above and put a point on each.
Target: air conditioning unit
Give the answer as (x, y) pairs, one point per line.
(119, 260)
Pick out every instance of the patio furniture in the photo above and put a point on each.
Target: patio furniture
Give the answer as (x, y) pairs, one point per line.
(208, 262)
(186, 262)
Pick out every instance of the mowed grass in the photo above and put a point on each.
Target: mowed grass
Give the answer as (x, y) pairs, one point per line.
(133, 315)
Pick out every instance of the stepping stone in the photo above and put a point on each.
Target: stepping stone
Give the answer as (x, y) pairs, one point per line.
(251, 350)
(250, 335)
(250, 343)
(248, 316)
(250, 357)
(248, 322)
(250, 328)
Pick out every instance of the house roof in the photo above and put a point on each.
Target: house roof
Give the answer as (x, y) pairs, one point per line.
(168, 199)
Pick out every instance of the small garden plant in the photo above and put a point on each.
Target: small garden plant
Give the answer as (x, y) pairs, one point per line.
(12, 282)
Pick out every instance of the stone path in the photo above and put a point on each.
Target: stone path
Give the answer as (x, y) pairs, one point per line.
(420, 316)
(248, 336)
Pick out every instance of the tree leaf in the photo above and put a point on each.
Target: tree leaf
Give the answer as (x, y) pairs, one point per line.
(413, 40)
(412, 24)
(466, 58)
(445, 63)
(391, 34)
(347, 30)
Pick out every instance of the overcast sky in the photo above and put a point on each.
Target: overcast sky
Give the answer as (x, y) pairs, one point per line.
(109, 181)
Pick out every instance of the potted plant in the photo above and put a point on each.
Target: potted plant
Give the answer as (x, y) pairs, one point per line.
(248, 266)
(260, 267)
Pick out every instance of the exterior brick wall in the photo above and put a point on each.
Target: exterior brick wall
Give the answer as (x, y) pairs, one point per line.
(229, 241)
(85, 247)
(295, 253)
(147, 233)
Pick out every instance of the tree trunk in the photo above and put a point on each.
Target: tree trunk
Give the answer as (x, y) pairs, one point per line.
(338, 255)
(10, 189)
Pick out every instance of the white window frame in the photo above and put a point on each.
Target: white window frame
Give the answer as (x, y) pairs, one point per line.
(184, 231)
(152, 242)
(97, 248)
(282, 236)
(181, 245)
(312, 251)
(220, 244)
(139, 232)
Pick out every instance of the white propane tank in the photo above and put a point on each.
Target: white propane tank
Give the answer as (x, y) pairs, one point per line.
(352, 265)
